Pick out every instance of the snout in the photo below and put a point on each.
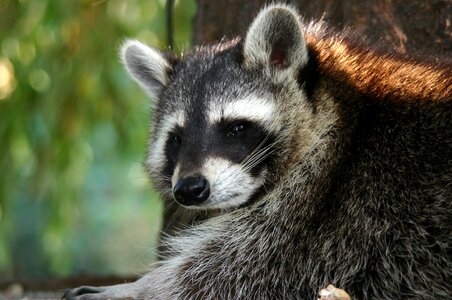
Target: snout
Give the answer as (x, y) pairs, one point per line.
(191, 190)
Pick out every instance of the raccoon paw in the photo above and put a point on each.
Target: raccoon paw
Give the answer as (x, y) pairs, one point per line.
(333, 293)
(92, 293)
(85, 292)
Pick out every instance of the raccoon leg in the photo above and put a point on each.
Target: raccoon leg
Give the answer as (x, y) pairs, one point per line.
(333, 293)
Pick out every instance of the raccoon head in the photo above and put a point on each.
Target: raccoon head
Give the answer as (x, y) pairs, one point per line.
(216, 114)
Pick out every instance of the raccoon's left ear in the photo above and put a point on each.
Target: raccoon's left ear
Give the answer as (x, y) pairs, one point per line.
(276, 41)
(147, 66)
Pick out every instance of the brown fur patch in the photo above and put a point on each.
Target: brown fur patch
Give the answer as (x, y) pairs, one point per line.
(382, 75)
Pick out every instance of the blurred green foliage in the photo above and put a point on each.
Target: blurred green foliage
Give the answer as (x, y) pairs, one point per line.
(73, 128)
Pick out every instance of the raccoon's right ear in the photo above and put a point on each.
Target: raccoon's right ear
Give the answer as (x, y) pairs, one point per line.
(147, 66)
(276, 42)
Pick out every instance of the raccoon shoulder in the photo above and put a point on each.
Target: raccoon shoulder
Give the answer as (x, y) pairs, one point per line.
(376, 71)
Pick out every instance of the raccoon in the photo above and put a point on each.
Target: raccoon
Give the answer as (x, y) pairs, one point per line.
(330, 161)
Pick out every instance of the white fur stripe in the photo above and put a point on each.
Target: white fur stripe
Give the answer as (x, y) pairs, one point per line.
(175, 176)
(230, 184)
(253, 108)
(157, 155)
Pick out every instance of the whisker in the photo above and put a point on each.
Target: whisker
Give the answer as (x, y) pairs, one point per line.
(259, 157)
(264, 152)
(261, 143)
(254, 158)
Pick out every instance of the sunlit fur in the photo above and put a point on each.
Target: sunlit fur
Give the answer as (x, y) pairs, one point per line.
(379, 74)
(358, 190)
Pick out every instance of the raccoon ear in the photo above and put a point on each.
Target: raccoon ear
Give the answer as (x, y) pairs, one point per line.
(276, 41)
(147, 66)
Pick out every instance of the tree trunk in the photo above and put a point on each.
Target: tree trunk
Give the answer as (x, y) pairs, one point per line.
(405, 25)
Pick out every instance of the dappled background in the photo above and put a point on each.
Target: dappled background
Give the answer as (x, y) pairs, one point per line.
(74, 197)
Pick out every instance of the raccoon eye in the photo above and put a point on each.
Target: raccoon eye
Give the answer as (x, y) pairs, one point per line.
(236, 129)
(176, 140)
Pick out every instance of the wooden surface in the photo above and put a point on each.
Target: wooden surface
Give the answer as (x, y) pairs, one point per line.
(53, 288)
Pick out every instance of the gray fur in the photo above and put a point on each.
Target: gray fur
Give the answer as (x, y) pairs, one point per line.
(276, 24)
(358, 193)
(147, 66)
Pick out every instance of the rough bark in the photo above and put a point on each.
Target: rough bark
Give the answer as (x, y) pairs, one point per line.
(407, 25)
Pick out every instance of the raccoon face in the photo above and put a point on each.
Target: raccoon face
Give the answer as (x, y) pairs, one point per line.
(216, 117)
(214, 127)
(217, 157)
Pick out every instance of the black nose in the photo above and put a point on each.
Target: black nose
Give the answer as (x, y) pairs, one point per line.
(191, 190)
